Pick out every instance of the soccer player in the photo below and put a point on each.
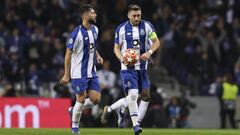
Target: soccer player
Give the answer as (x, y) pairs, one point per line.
(140, 35)
(80, 66)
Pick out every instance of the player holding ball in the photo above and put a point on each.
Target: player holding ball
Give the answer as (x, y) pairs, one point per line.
(135, 42)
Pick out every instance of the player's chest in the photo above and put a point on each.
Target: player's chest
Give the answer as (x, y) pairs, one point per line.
(134, 33)
(86, 42)
(88, 37)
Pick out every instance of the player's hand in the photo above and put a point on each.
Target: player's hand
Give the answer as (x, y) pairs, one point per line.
(99, 60)
(65, 79)
(124, 62)
(145, 56)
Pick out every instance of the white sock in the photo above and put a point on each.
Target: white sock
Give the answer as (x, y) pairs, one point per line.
(121, 102)
(88, 104)
(142, 110)
(95, 111)
(132, 105)
(76, 115)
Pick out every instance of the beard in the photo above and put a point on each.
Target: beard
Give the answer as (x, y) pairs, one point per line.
(92, 21)
(135, 23)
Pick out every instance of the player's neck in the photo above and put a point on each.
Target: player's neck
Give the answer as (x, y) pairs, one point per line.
(133, 24)
(86, 24)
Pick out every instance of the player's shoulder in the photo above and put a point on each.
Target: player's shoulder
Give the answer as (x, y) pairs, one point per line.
(95, 27)
(147, 22)
(77, 28)
(121, 25)
(148, 25)
(75, 31)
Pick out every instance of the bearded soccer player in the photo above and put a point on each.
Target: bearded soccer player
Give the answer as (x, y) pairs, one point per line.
(80, 59)
(140, 35)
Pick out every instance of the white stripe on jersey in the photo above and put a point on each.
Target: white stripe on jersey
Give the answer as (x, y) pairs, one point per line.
(123, 41)
(135, 32)
(91, 55)
(96, 28)
(77, 55)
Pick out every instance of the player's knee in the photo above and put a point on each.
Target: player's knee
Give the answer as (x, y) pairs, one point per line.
(81, 99)
(95, 100)
(94, 97)
(145, 96)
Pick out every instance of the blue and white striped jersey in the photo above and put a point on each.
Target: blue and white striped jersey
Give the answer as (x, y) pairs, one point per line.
(83, 44)
(137, 37)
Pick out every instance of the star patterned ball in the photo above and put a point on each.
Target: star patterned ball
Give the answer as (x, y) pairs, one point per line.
(131, 57)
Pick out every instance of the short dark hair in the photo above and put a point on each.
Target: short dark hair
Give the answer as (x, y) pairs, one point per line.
(133, 7)
(85, 8)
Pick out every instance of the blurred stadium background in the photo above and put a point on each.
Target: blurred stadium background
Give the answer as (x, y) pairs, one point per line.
(200, 42)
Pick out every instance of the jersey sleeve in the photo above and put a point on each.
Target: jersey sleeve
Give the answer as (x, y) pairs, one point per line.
(150, 31)
(96, 29)
(118, 36)
(72, 38)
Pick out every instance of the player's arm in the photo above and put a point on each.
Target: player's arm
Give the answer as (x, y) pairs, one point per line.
(117, 46)
(67, 61)
(67, 65)
(117, 51)
(155, 45)
(99, 58)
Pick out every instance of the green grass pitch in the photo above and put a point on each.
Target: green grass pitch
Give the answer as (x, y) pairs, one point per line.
(117, 131)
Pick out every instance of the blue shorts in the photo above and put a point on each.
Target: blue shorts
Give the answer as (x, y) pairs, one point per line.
(83, 84)
(135, 79)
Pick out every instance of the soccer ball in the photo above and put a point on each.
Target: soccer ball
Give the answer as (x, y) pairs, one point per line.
(131, 57)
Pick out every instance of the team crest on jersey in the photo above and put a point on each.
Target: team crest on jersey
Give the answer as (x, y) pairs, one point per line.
(70, 41)
(142, 32)
(91, 48)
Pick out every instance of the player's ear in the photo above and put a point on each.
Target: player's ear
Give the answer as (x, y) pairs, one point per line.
(85, 15)
(129, 14)
(82, 16)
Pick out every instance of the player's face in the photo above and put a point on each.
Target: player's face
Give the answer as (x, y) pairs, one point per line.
(135, 17)
(92, 16)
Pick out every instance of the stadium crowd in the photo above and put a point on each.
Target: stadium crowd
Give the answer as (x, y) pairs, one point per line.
(200, 39)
